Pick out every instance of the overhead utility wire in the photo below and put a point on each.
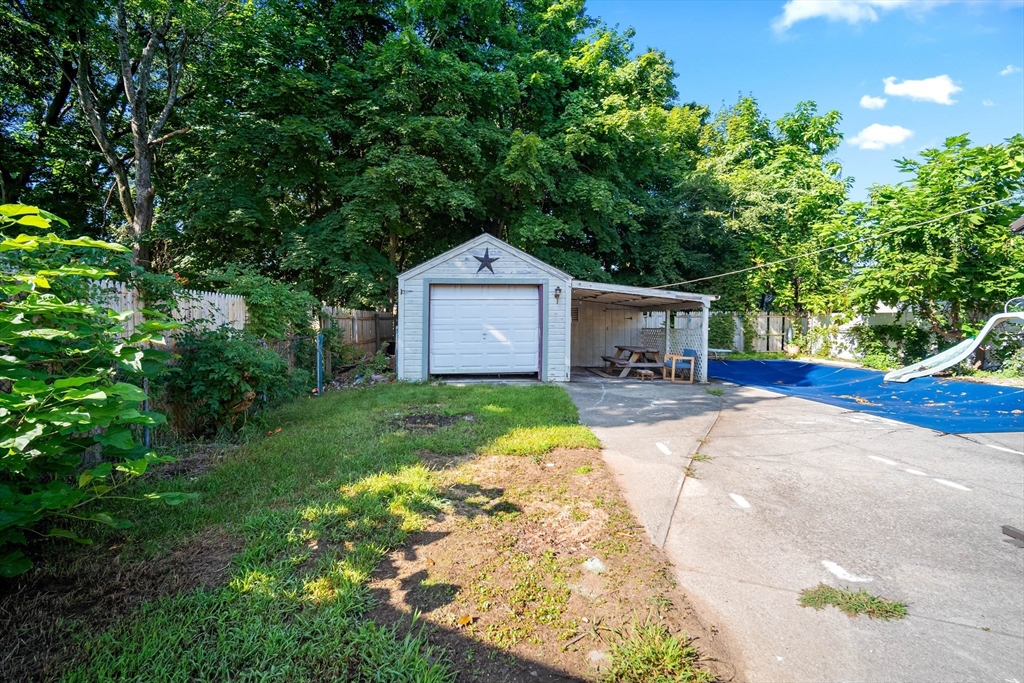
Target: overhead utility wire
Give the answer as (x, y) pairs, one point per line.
(837, 246)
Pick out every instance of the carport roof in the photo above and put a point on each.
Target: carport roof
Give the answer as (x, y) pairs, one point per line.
(638, 297)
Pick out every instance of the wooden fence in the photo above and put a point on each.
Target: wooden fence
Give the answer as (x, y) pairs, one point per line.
(212, 309)
(772, 331)
(365, 330)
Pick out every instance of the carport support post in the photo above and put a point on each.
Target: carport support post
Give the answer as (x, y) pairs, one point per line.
(668, 314)
(705, 318)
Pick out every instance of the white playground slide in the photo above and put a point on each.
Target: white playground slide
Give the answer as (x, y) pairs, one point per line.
(952, 356)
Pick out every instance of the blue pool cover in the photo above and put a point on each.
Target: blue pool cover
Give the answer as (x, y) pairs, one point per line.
(941, 404)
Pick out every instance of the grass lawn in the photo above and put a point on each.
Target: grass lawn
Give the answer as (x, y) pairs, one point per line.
(274, 572)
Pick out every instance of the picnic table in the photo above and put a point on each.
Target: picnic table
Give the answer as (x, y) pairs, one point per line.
(628, 358)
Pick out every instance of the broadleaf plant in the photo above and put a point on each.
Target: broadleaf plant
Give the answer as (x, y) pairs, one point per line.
(69, 394)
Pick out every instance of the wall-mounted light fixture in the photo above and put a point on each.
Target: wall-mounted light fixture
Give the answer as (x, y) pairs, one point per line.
(558, 293)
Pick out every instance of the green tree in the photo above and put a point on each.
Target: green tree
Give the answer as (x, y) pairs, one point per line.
(785, 192)
(954, 272)
(387, 136)
(133, 60)
(47, 155)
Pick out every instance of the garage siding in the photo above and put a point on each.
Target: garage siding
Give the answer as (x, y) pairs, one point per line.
(460, 267)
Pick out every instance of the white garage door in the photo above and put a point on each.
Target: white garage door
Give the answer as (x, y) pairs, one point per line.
(484, 329)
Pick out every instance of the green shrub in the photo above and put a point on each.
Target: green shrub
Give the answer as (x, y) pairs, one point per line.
(225, 374)
(721, 328)
(880, 361)
(276, 310)
(749, 332)
(1013, 365)
(379, 363)
(66, 435)
(821, 340)
(905, 343)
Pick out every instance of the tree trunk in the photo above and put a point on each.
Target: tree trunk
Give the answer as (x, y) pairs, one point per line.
(393, 259)
(137, 194)
(145, 193)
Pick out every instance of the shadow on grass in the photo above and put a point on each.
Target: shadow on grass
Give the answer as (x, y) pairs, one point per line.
(315, 510)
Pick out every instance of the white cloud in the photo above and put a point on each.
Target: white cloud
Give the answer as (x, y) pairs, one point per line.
(879, 136)
(988, 103)
(936, 89)
(869, 102)
(850, 11)
(1010, 69)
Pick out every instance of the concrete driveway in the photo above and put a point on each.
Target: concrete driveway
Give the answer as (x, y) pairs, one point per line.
(798, 493)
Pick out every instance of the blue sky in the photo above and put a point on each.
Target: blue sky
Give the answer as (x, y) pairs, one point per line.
(949, 67)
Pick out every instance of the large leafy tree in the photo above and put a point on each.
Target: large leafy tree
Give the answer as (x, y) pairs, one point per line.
(785, 192)
(46, 153)
(132, 64)
(388, 133)
(955, 271)
(334, 143)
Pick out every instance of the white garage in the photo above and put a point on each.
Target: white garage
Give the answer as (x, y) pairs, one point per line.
(486, 308)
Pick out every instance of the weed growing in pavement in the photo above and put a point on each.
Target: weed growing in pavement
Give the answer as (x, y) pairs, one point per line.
(714, 391)
(700, 457)
(853, 603)
(653, 655)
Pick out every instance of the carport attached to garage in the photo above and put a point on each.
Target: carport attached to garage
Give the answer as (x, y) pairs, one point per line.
(487, 308)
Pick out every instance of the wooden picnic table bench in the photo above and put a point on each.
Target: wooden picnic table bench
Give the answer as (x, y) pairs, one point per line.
(628, 358)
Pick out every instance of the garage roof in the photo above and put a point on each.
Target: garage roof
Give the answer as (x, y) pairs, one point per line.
(644, 298)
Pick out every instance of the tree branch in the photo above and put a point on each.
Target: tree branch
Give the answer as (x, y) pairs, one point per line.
(174, 70)
(180, 131)
(85, 96)
(148, 53)
(122, 52)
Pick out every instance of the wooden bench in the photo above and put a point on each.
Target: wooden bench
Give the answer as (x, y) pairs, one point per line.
(645, 375)
(624, 362)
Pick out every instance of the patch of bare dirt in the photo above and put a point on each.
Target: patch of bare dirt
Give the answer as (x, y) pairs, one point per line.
(40, 611)
(534, 572)
(435, 461)
(428, 422)
(194, 461)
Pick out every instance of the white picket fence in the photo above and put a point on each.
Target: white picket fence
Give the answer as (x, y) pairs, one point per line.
(210, 309)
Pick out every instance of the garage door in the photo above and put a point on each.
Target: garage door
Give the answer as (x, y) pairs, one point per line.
(484, 329)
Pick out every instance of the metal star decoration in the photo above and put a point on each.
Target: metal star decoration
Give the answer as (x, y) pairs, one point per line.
(485, 260)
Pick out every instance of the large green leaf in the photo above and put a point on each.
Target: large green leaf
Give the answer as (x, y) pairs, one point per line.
(22, 437)
(129, 392)
(14, 563)
(172, 498)
(118, 437)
